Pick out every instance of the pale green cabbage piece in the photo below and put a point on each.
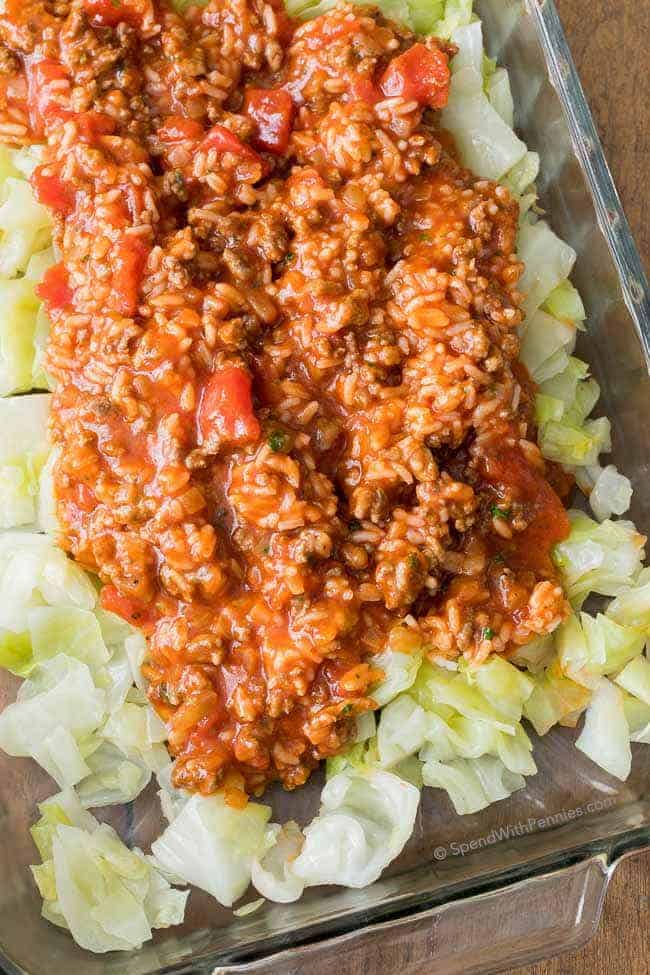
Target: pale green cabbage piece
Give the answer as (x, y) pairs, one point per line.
(211, 845)
(602, 558)
(564, 302)
(109, 897)
(364, 822)
(485, 143)
(272, 875)
(25, 226)
(472, 784)
(400, 661)
(632, 606)
(555, 699)
(111, 777)
(23, 452)
(635, 679)
(18, 324)
(35, 572)
(56, 709)
(611, 493)
(605, 737)
(548, 261)
(593, 647)
(544, 337)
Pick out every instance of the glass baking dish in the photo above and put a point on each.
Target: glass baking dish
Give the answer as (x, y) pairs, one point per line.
(527, 876)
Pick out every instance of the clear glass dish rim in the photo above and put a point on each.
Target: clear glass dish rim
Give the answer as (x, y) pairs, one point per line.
(634, 287)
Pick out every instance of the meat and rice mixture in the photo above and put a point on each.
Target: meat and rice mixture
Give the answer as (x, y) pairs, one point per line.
(291, 419)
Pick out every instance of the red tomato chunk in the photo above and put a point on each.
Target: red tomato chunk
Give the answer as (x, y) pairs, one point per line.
(134, 611)
(223, 140)
(47, 85)
(52, 191)
(272, 111)
(421, 74)
(227, 407)
(110, 13)
(128, 259)
(54, 289)
(177, 130)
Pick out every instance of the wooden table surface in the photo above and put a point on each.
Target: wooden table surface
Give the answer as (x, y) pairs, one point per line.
(609, 40)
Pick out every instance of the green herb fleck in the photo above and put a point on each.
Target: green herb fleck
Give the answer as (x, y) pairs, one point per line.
(180, 187)
(354, 524)
(425, 237)
(289, 257)
(278, 441)
(346, 709)
(488, 633)
(497, 512)
(497, 559)
(413, 561)
(116, 3)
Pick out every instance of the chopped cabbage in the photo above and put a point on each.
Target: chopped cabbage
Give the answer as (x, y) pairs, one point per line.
(485, 143)
(469, 40)
(213, 846)
(55, 710)
(591, 648)
(403, 729)
(521, 178)
(637, 715)
(605, 737)
(494, 693)
(603, 558)
(632, 605)
(543, 338)
(35, 572)
(273, 875)
(635, 679)
(565, 303)
(17, 330)
(556, 699)
(548, 261)
(400, 662)
(534, 655)
(111, 777)
(23, 452)
(500, 96)
(138, 732)
(25, 226)
(108, 896)
(472, 784)
(364, 822)
(611, 493)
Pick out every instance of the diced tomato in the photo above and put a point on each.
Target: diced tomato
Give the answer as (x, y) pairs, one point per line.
(47, 87)
(420, 73)
(110, 13)
(223, 140)
(272, 111)
(226, 407)
(52, 191)
(54, 289)
(134, 611)
(90, 125)
(177, 129)
(548, 522)
(129, 256)
(363, 90)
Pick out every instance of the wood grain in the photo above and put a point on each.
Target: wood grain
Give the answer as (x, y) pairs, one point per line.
(609, 42)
